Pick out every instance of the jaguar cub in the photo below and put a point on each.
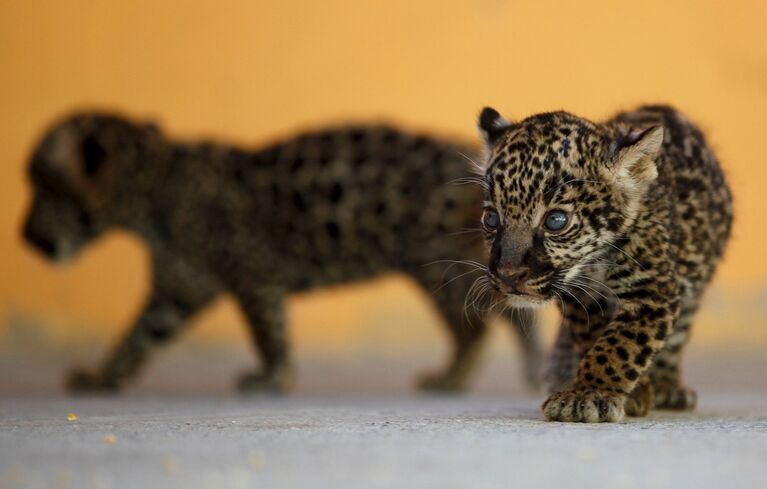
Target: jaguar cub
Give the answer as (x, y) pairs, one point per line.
(321, 208)
(622, 224)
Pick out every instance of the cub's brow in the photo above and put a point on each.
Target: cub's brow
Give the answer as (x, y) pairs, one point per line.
(547, 192)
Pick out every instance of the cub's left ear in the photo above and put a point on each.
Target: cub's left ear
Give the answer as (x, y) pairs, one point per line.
(93, 156)
(634, 155)
(491, 125)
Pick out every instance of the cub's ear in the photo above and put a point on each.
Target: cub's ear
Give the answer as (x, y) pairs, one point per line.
(634, 156)
(491, 125)
(151, 127)
(93, 156)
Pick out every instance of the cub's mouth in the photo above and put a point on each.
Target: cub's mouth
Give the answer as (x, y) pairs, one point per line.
(41, 244)
(524, 300)
(55, 250)
(517, 290)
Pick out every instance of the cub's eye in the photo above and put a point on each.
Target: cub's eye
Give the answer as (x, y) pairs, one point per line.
(491, 219)
(555, 221)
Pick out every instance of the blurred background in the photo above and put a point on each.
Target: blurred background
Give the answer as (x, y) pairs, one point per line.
(250, 71)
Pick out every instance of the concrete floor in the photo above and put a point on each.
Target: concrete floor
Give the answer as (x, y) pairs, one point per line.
(481, 441)
(355, 423)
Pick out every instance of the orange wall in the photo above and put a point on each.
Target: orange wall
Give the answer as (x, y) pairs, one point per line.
(250, 70)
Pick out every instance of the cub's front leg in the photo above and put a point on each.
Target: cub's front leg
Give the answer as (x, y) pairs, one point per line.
(178, 292)
(611, 380)
(162, 319)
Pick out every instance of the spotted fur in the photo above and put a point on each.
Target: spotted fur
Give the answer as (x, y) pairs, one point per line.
(322, 208)
(648, 213)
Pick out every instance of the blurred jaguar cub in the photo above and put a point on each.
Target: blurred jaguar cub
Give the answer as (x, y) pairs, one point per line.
(322, 208)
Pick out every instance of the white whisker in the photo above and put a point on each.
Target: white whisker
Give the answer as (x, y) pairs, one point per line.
(453, 280)
(588, 316)
(627, 255)
(590, 296)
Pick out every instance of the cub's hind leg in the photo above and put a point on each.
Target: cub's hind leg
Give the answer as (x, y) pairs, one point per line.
(562, 362)
(523, 323)
(178, 292)
(665, 373)
(466, 328)
(264, 309)
(467, 338)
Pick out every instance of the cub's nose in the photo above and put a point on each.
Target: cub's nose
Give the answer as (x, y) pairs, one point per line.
(43, 244)
(513, 276)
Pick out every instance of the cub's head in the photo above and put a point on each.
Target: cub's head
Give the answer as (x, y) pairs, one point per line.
(559, 192)
(74, 171)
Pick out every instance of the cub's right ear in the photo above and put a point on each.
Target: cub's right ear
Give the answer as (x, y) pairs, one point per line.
(491, 125)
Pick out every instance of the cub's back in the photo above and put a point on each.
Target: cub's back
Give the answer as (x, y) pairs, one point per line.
(353, 201)
(693, 180)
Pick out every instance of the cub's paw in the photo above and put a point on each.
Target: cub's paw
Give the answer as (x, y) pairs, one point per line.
(441, 382)
(584, 406)
(81, 380)
(676, 397)
(641, 399)
(277, 382)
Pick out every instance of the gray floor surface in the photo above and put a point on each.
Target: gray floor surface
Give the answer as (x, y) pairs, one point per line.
(308, 441)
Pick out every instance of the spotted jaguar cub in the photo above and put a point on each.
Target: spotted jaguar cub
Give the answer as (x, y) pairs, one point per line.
(322, 208)
(622, 224)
